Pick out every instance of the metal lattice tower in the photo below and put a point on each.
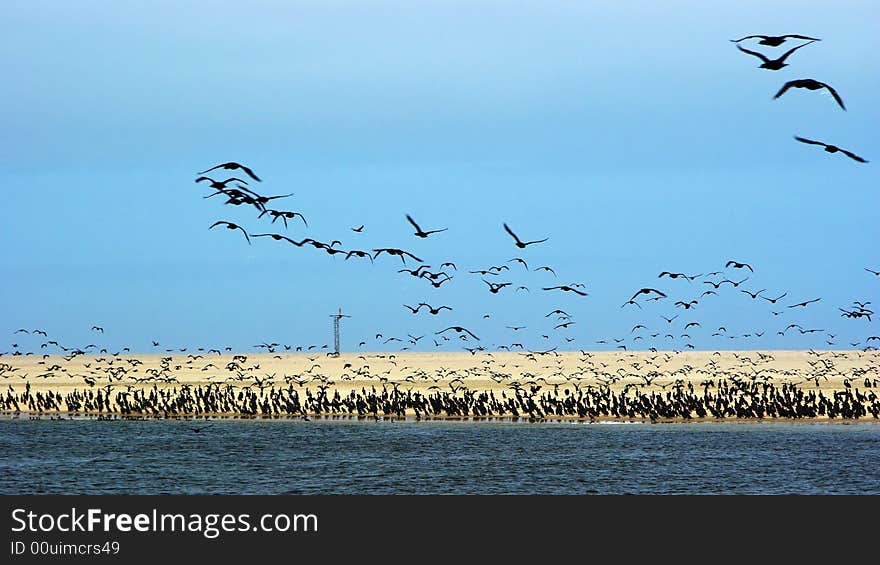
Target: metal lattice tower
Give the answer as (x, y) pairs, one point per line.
(336, 318)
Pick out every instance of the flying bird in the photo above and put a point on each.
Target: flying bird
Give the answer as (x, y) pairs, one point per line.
(231, 226)
(358, 230)
(460, 330)
(419, 232)
(738, 265)
(774, 40)
(232, 166)
(773, 64)
(218, 185)
(399, 252)
(495, 287)
(809, 84)
(566, 288)
(521, 244)
(831, 148)
(754, 295)
(648, 291)
(283, 215)
(805, 303)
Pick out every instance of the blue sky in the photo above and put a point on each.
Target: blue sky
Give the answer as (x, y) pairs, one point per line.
(633, 135)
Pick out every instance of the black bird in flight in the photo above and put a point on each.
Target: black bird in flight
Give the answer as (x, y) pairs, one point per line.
(495, 287)
(419, 232)
(669, 320)
(773, 64)
(548, 269)
(648, 291)
(521, 244)
(566, 288)
(413, 310)
(98, 329)
(754, 295)
(676, 275)
(774, 40)
(831, 148)
(219, 184)
(738, 265)
(809, 84)
(458, 329)
(279, 237)
(283, 215)
(432, 310)
(804, 304)
(231, 226)
(358, 253)
(358, 230)
(399, 252)
(686, 305)
(872, 271)
(518, 260)
(232, 166)
(561, 312)
(773, 300)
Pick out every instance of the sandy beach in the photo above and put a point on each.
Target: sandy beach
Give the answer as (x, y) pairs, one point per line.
(446, 374)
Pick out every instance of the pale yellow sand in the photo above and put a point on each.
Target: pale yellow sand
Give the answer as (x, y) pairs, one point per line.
(429, 372)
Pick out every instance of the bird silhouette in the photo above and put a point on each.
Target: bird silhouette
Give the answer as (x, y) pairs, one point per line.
(398, 252)
(460, 330)
(773, 64)
(773, 300)
(359, 229)
(809, 84)
(805, 303)
(419, 232)
(233, 166)
(283, 215)
(738, 265)
(648, 291)
(754, 295)
(566, 288)
(432, 310)
(519, 243)
(831, 148)
(495, 287)
(231, 226)
(774, 40)
(218, 185)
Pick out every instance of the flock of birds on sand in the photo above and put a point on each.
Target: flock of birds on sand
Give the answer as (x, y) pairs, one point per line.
(651, 390)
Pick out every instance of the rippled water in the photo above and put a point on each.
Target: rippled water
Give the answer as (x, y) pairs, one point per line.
(351, 457)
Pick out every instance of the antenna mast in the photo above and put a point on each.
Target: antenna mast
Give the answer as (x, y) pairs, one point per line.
(336, 318)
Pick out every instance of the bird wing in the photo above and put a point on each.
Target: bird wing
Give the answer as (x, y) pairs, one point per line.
(748, 37)
(795, 36)
(755, 53)
(250, 173)
(209, 170)
(245, 234)
(219, 223)
(810, 141)
(537, 241)
(790, 51)
(784, 88)
(413, 222)
(853, 156)
(513, 235)
(835, 95)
